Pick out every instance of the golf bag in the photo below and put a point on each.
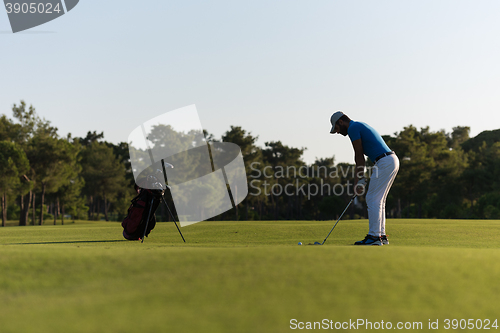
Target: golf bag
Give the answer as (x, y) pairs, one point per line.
(143, 207)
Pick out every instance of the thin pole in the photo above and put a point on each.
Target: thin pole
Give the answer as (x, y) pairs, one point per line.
(173, 218)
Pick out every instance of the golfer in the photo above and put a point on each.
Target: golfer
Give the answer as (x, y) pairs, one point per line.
(366, 141)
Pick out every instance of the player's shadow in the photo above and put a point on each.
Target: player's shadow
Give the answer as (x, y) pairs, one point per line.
(72, 242)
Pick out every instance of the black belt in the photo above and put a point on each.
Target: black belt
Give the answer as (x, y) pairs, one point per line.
(383, 155)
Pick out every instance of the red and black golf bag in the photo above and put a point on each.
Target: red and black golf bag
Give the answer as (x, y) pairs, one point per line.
(141, 217)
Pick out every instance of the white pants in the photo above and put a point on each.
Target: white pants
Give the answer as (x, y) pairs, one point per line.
(383, 174)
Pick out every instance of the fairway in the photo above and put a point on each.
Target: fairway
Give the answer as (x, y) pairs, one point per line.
(248, 277)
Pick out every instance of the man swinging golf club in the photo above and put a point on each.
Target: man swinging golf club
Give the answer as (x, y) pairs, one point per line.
(366, 141)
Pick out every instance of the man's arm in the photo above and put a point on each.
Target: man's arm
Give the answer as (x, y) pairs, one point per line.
(359, 159)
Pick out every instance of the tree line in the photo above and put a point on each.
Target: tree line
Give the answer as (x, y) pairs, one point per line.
(441, 175)
(45, 177)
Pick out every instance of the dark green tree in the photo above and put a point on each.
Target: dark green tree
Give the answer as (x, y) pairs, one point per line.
(30, 126)
(54, 163)
(104, 177)
(13, 164)
(286, 162)
(252, 156)
(416, 164)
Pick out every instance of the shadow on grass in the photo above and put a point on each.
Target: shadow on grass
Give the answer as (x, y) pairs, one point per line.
(72, 242)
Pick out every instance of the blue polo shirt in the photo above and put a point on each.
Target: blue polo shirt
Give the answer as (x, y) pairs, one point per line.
(373, 144)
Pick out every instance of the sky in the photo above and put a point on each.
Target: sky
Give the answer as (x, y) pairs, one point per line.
(278, 69)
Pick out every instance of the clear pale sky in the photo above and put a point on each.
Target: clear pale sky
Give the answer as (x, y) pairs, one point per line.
(279, 69)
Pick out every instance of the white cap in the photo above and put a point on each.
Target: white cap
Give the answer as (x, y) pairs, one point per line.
(336, 116)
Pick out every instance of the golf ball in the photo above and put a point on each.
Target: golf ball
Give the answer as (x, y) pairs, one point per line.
(300, 243)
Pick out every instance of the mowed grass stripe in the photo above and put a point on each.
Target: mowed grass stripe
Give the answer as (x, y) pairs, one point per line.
(243, 276)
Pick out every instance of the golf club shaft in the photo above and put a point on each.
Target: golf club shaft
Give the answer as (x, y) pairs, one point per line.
(339, 219)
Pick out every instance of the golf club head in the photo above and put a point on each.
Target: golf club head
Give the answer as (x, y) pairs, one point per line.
(158, 186)
(152, 178)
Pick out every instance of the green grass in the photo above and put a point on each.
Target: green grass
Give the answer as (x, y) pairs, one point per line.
(245, 276)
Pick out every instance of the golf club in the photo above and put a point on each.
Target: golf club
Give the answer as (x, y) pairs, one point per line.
(159, 189)
(318, 243)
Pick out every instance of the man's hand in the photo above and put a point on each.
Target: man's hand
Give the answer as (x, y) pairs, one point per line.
(359, 187)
